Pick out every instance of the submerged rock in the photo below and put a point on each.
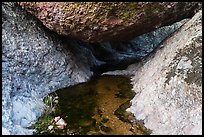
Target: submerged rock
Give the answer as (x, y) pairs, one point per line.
(108, 21)
(50, 127)
(168, 83)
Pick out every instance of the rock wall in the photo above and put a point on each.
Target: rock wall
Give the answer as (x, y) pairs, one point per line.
(108, 21)
(168, 84)
(35, 62)
(118, 55)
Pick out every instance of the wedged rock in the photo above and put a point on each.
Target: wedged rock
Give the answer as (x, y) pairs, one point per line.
(168, 84)
(108, 21)
(35, 62)
(118, 55)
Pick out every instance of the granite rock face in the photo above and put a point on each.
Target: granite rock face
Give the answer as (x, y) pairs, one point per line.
(35, 62)
(108, 21)
(168, 84)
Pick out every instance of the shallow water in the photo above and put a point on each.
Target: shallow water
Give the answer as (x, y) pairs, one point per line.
(96, 107)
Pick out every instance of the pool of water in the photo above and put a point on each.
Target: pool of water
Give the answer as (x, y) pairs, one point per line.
(97, 107)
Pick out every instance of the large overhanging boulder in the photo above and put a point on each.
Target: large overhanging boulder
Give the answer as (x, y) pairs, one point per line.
(108, 21)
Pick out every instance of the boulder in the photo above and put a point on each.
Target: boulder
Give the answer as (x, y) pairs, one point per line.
(168, 84)
(35, 62)
(118, 55)
(108, 21)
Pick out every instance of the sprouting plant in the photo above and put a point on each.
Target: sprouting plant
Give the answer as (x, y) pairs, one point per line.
(51, 102)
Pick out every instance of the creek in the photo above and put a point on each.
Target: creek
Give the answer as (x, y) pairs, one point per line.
(96, 107)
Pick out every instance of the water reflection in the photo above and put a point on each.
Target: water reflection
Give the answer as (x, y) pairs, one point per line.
(97, 107)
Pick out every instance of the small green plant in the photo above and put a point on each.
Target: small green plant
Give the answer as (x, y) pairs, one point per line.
(42, 124)
(47, 117)
(51, 103)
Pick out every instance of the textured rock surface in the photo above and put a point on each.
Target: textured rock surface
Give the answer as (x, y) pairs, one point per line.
(108, 21)
(168, 84)
(118, 55)
(35, 62)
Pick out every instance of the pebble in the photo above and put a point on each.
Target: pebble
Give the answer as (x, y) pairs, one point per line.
(61, 124)
(57, 118)
(50, 127)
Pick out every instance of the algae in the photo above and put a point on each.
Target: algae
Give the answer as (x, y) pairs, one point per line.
(97, 107)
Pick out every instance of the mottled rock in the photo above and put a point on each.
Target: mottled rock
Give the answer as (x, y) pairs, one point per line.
(168, 84)
(108, 21)
(35, 62)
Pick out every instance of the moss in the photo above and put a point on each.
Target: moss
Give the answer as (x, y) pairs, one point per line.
(28, 4)
(47, 117)
(42, 124)
(140, 126)
(120, 112)
(126, 13)
(123, 11)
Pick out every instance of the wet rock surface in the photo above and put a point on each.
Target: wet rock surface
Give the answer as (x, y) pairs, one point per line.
(168, 84)
(108, 21)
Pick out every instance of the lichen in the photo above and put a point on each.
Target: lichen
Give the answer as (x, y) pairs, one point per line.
(193, 54)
